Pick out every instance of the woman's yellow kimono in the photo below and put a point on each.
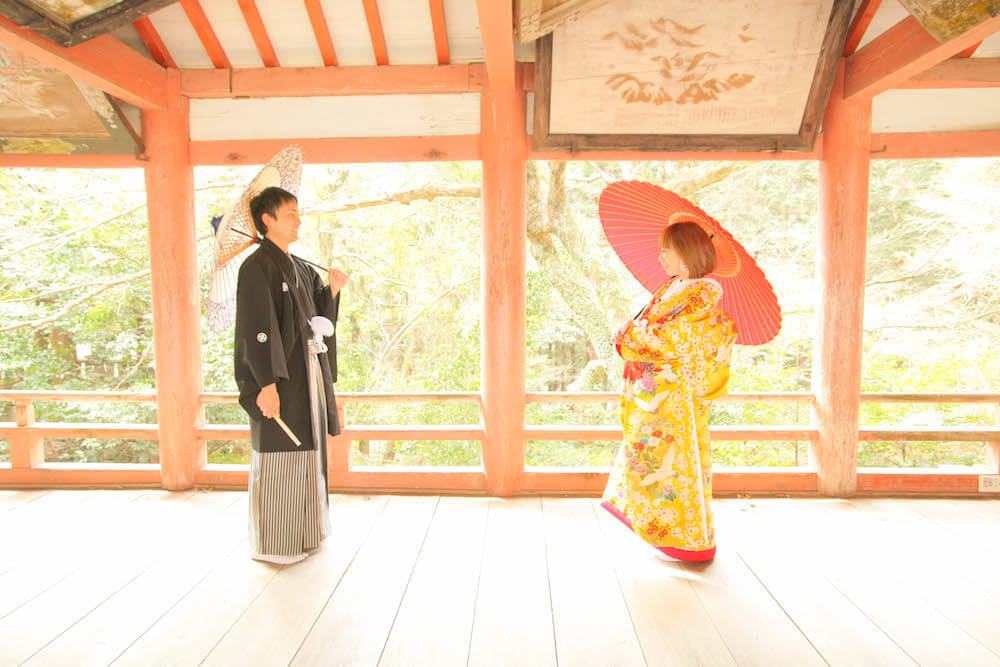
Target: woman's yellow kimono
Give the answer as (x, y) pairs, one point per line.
(677, 360)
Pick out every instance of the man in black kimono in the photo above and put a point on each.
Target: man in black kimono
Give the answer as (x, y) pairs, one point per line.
(285, 372)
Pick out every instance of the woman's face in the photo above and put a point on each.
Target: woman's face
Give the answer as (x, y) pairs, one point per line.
(672, 263)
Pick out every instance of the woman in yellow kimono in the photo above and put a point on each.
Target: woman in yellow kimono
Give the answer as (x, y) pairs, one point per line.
(677, 360)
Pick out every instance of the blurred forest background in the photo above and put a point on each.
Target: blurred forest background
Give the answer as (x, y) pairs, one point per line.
(75, 308)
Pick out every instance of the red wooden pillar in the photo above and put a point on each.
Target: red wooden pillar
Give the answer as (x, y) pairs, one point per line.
(173, 257)
(840, 270)
(504, 155)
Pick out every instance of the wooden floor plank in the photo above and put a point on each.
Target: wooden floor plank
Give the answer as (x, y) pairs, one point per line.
(670, 621)
(866, 567)
(839, 630)
(513, 617)
(354, 625)
(591, 620)
(105, 568)
(213, 521)
(755, 628)
(271, 629)
(434, 624)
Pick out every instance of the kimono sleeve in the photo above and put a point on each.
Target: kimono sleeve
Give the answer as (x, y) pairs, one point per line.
(669, 330)
(259, 346)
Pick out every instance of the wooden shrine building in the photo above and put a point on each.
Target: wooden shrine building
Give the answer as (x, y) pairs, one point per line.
(217, 82)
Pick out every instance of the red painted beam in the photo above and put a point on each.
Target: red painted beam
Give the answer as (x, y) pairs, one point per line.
(375, 30)
(901, 52)
(904, 145)
(70, 161)
(957, 72)
(341, 151)
(322, 31)
(259, 33)
(322, 81)
(967, 53)
(859, 26)
(154, 44)
(495, 21)
(103, 62)
(440, 32)
(201, 25)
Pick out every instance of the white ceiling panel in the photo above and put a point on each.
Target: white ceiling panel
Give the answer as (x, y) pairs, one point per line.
(936, 110)
(349, 31)
(990, 48)
(889, 13)
(291, 33)
(409, 32)
(234, 35)
(324, 117)
(180, 38)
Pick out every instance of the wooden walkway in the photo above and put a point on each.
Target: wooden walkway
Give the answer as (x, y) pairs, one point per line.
(157, 578)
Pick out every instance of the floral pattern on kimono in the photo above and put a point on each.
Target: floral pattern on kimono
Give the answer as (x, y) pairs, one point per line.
(677, 360)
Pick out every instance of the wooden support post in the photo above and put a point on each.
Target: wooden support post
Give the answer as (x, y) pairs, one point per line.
(993, 449)
(173, 257)
(26, 449)
(504, 153)
(840, 270)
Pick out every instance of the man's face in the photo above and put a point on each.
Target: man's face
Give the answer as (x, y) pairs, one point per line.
(283, 227)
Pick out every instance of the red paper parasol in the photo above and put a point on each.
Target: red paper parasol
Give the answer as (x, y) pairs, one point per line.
(634, 214)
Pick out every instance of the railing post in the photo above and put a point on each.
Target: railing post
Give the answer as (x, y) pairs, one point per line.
(27, 450)
(338, 448)
(173, 258)
(993, 448)
(840, 270)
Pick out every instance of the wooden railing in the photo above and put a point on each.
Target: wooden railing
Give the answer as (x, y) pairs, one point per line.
(28, 466)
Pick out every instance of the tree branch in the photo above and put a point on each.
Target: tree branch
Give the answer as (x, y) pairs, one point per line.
(35, 324)
(405, 197)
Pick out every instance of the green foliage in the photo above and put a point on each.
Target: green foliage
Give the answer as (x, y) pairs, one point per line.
(410, 318)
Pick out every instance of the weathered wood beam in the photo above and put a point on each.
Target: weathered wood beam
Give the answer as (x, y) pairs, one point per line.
(103, 62)
(957, 73)
(323, 81)
(534, 18)
(71, 33)
(901, 52)
(347, 150)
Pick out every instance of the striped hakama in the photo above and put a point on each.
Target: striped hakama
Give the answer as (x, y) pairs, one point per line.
(289, 506)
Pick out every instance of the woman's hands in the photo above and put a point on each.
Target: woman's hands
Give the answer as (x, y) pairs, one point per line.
(268, 401)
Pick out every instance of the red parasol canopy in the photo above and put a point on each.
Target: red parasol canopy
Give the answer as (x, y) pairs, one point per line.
(634, 214)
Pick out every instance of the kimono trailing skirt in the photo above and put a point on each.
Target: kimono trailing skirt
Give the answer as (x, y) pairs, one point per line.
(677, 360)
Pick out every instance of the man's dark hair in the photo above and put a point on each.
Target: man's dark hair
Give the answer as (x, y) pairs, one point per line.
(268, 200)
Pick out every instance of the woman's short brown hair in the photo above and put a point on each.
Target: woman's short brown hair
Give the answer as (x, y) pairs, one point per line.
(693, 245)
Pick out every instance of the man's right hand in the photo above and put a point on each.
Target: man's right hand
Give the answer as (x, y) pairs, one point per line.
(268, 401)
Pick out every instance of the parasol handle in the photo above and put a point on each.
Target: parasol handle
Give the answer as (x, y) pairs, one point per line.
(257, 240)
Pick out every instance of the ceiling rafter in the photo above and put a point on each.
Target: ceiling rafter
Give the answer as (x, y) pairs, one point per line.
(102, 62)
(903, 51)
(259, 33)
(440, 32)
(322, 31)
(859, 26)
(957, 72)
(154, 43)
(201, 25)
(495, 19)
(374, 20)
